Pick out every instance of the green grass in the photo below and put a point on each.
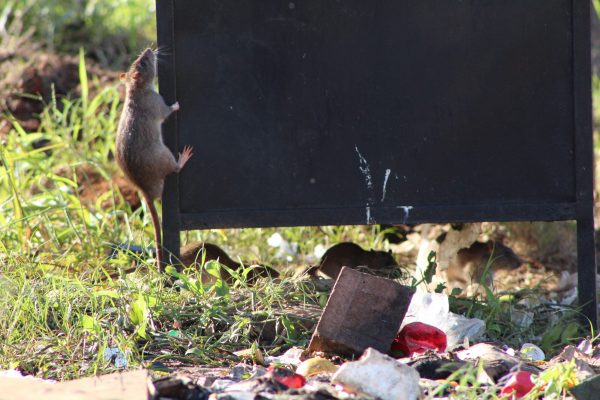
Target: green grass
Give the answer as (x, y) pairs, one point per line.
(109, 29)
(59, 314)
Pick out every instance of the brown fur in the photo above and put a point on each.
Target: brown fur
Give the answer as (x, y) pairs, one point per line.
(470, 263)
(192, 253)
(140, 151)
(351, 255)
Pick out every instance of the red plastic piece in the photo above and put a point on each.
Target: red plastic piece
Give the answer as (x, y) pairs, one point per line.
(518, 385)
(286, 377)
(418, 337)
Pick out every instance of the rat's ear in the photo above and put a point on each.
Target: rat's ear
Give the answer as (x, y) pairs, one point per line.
(123, 77)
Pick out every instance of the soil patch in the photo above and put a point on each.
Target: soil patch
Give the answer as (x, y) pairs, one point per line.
(32, 77)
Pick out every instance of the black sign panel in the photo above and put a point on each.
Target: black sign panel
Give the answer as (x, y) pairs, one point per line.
(323, 112)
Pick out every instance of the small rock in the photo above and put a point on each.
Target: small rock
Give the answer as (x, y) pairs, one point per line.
(380, 376)
(522, 318)
(316, 366)
(532, 352)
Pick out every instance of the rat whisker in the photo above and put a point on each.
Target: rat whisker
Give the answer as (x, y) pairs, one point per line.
(162, 51)
(160, 54)
(161, 60)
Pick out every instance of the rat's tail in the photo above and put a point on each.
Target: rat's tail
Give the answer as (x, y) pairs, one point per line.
(157, 236)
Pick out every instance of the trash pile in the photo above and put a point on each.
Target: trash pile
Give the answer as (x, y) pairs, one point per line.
(377, 339)
(391, 343)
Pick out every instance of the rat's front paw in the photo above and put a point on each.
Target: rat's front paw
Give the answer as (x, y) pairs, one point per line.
(175, 106)
(184, 156)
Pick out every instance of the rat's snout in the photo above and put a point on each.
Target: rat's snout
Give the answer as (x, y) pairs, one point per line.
(148, 52)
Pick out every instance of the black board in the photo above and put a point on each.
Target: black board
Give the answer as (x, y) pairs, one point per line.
(324, 112)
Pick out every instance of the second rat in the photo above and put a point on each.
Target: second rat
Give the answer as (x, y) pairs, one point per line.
(347, 254)
(140, 151)
(470, 263)
(192, 254)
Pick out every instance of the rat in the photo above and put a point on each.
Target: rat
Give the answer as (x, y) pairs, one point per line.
(192, 253)
(347, 254)
(140, 151)
(470, 263)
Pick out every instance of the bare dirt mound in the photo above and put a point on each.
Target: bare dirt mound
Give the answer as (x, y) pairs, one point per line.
(32, 77)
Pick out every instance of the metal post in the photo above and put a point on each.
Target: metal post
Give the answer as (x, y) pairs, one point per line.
(586, 261)
(171, 218)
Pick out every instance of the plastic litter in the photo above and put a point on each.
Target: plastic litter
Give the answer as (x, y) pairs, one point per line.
(433, 309)
(115, 355)
(319, 251)
(290, 357)
(519, 384)
(418, 337)
(286, 377)
(380, 376)
(286, 249)
(16, 374)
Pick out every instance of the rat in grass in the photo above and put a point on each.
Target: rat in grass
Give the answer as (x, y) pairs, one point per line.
(140, 151)
(347, 254)
(192, 254)
(480, 261)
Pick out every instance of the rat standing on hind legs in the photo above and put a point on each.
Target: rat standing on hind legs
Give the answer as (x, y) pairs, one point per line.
(140, 150)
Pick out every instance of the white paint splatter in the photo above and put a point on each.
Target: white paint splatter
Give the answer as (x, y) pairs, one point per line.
(406, 210)
(364, 168)
(370, 219)
(385, 179)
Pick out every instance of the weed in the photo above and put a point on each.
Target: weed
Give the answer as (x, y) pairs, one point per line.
(110, 30)
(61, 317)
